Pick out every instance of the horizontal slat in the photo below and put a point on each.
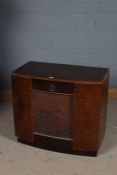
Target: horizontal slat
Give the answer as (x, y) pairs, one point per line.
(52, 87)
(6, 95)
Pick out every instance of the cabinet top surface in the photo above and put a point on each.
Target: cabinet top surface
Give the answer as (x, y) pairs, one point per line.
(62, 71)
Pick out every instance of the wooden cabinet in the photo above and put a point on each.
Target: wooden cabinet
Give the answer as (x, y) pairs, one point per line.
(60, 107)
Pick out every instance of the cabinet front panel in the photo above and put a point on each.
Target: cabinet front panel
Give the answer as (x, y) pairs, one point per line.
(22, 103)
(21, 83)
(52, 113)
(87, 116)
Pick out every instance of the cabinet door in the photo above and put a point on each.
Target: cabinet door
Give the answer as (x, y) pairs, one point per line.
(52, 113)
(87, 117)
(21, 86)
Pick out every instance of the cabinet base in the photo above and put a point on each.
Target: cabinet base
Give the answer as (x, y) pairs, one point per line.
(57, 145)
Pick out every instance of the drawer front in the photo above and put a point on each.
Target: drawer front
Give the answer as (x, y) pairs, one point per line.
(52, 86)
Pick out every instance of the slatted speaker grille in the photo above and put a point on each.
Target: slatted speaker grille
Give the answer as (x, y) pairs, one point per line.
(52, 113)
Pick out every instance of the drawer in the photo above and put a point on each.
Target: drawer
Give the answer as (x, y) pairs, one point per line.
(52, 86)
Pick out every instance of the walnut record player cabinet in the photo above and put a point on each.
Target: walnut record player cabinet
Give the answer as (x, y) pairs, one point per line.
(60, 107)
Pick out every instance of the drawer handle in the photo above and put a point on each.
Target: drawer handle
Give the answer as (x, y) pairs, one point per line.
(52, 88)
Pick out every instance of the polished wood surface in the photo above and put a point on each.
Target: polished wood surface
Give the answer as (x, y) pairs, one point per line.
(22, 107)
(62, 71)
(86, 120)
(52, 114)
(58, 106)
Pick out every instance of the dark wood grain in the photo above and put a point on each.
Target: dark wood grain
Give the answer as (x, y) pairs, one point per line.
(60, 107)
(22, 107)
(53, 114)
(104, 105)
(62, 71)
(52, 86)
(86, 120)
(55, 144)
